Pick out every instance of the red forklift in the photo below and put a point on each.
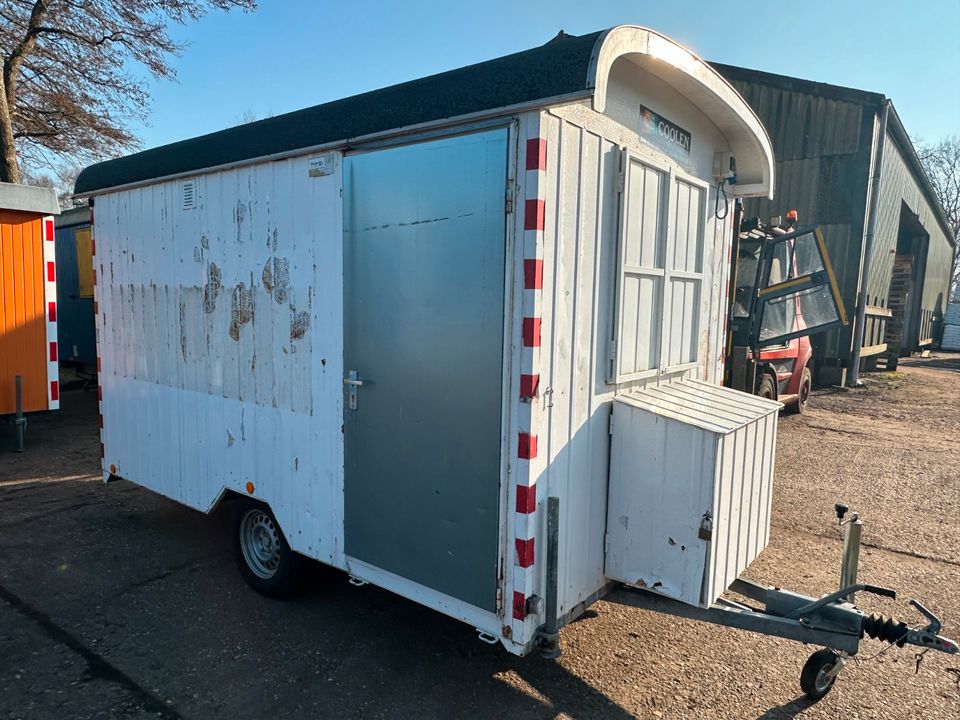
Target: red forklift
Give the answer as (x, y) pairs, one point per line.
(784, 291)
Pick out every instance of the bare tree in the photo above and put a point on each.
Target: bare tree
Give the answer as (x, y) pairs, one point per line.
(67, 90)
(941, 161)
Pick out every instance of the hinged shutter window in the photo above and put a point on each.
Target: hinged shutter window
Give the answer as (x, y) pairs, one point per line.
(641, 268)
(660, 271)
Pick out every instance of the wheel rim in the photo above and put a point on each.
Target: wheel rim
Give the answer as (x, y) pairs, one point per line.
(260, 543)
(804, 393)
(824, 679)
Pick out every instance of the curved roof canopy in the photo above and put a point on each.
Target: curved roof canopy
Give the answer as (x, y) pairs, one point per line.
(566, 68)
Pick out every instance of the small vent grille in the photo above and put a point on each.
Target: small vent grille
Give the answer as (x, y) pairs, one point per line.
(189, 195)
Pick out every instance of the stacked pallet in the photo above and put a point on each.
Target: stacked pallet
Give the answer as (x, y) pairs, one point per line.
(897, 304)
(951, 327)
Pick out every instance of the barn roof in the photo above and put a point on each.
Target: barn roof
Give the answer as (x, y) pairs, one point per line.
(564, 68)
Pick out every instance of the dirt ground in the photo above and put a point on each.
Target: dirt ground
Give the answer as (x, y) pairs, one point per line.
(115, 602)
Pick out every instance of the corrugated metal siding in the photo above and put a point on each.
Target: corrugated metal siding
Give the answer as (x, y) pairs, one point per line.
(822, 147)
(801, 125)
(220, 331)
(76, 332)
(897, 185)
(23, 330)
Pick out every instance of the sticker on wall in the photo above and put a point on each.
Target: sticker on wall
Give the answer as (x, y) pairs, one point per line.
(667, 136)
(320, 165)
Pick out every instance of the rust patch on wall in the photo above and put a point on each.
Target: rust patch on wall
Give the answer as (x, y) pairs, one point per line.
(239, 215)
(267, 276)
(183, 329)
(299, 324)
(276, 278)
(241, 309)
(212, 289)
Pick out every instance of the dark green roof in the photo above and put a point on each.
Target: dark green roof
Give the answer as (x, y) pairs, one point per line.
(557, 68)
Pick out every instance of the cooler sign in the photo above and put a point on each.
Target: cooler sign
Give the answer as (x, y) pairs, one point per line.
(664, 133)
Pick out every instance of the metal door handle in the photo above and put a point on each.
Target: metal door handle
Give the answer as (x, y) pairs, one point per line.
(352, 381)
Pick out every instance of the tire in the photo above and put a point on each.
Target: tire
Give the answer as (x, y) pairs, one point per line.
(264, 558)
(767, 387)
(803, 392)
(813, 679)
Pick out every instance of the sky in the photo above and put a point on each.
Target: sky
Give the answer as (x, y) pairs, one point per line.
(291, 54)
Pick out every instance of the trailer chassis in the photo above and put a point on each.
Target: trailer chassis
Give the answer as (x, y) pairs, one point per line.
(832, 621)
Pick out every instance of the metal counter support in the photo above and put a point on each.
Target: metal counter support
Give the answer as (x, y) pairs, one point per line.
(549, 641)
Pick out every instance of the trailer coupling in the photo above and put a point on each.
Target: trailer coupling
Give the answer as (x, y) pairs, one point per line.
(832, 621)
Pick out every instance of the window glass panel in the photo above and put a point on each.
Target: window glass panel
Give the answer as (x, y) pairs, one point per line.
(799, 311)
(795, 258)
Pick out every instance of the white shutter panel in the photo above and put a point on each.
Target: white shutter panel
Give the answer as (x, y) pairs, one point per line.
(641, 263)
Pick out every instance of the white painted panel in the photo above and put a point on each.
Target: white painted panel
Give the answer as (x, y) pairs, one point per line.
(579, 253)
(222, 343)
(683, 319)
(687, 456)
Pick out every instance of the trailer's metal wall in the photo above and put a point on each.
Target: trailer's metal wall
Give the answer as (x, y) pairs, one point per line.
(899, 185)
(220, 336)
(823, 148)
(76, 334)
(579, 251)
(23, 311)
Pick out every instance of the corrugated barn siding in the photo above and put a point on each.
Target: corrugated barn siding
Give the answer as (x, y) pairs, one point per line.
(822, 147)
(76, 333)
(899, 186)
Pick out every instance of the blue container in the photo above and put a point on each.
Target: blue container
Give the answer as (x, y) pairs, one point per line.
(76, 330)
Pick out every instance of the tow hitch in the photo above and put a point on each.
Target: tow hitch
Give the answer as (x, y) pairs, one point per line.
(832, 621)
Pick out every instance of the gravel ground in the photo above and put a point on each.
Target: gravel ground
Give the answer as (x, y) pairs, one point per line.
(115, 602)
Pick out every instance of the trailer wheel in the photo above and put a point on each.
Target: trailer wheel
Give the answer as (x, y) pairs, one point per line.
(263, 556)
(767, 387)
(816, 679)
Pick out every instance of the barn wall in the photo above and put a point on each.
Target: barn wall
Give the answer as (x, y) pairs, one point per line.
(823, 148)
(900, 187)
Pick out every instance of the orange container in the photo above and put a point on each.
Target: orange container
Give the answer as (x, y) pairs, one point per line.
(28, 298)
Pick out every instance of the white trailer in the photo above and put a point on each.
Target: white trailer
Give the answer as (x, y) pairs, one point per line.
(401, 329)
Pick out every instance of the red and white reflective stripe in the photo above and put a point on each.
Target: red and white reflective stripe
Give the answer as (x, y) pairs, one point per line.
(50, 296)
(525, 525)
(96, 313)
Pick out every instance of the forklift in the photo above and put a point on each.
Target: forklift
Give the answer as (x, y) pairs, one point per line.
(783, 291)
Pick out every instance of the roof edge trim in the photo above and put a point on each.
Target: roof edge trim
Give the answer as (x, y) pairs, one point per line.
(29, 198)
(739, 123)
